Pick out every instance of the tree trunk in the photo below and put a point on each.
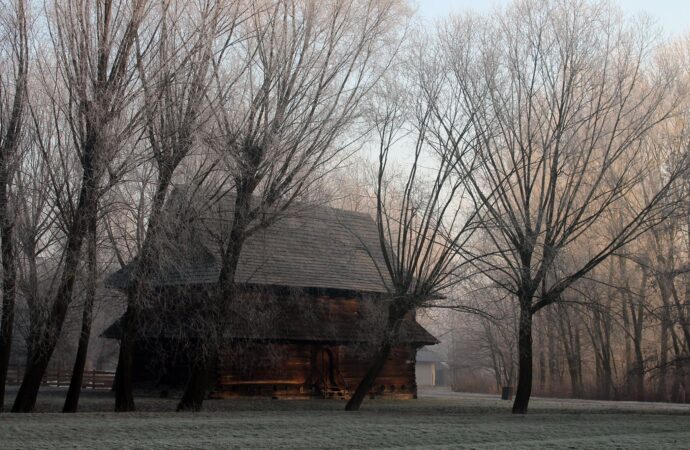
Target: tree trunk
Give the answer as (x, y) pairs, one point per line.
(639, 328)
(639, 372)
(124, 389)
(571, 345)
(662, 377)
(637, 316)
(524, 387)
(608, 362)
(395, 317)
(370, 377)
(9, 277)
(578, 388)
(603, 332)
(195, 391)
(682, 313)
(607, 375)
(74, 391)
(677, 364)
(625, 305)
(679, 383)
(28, 391)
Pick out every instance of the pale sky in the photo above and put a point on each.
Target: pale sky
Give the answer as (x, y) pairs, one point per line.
(672, 15)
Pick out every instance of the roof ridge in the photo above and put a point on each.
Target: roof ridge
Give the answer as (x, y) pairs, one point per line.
(178, 188)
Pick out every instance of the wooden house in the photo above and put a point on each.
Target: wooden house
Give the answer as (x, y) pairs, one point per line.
(313, 293)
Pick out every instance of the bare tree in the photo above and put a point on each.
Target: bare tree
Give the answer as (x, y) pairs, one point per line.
(13, 85)
(564, 93)
(284, 101)
(175, 79)
(424, 224)
(93, 47)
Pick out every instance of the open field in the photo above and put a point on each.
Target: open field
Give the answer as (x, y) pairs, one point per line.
(436, 420)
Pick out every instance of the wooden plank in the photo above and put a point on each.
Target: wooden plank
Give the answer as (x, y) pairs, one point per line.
(93, 379)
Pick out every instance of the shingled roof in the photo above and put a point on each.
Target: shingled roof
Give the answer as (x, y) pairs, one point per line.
(307, 247)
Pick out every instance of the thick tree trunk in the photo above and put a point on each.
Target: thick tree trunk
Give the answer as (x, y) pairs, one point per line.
(195, 391)
(28, 391)
(628, 333)
(370, 377)
(124, 389)
(524, 387)
(607, 376)
(74, 391)
(202, 364)
(603, 354)
(9, 277)
(575, 385)
(677, 364)
(395, 317)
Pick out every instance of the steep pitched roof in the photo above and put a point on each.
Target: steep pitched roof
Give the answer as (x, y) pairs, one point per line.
(307, 247)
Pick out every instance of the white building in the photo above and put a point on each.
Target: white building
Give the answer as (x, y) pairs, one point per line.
(430, 369)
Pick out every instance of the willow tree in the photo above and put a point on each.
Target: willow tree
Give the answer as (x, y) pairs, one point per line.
(175, 75)
(14, 54)
(565, 94)
(424, 217)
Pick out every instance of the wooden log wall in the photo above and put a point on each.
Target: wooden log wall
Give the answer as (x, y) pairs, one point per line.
(294, 371)
(265, 369)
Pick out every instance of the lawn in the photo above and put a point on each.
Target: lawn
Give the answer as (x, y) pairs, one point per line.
(436, 420)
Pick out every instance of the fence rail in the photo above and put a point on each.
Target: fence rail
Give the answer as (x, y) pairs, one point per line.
(93, 379)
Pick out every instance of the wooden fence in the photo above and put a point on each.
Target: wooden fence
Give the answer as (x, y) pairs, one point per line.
(93, 379)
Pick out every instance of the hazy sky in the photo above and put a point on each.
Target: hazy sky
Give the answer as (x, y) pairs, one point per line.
(673, 15)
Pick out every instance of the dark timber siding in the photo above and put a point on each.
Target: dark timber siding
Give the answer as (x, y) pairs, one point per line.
(311, 370)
